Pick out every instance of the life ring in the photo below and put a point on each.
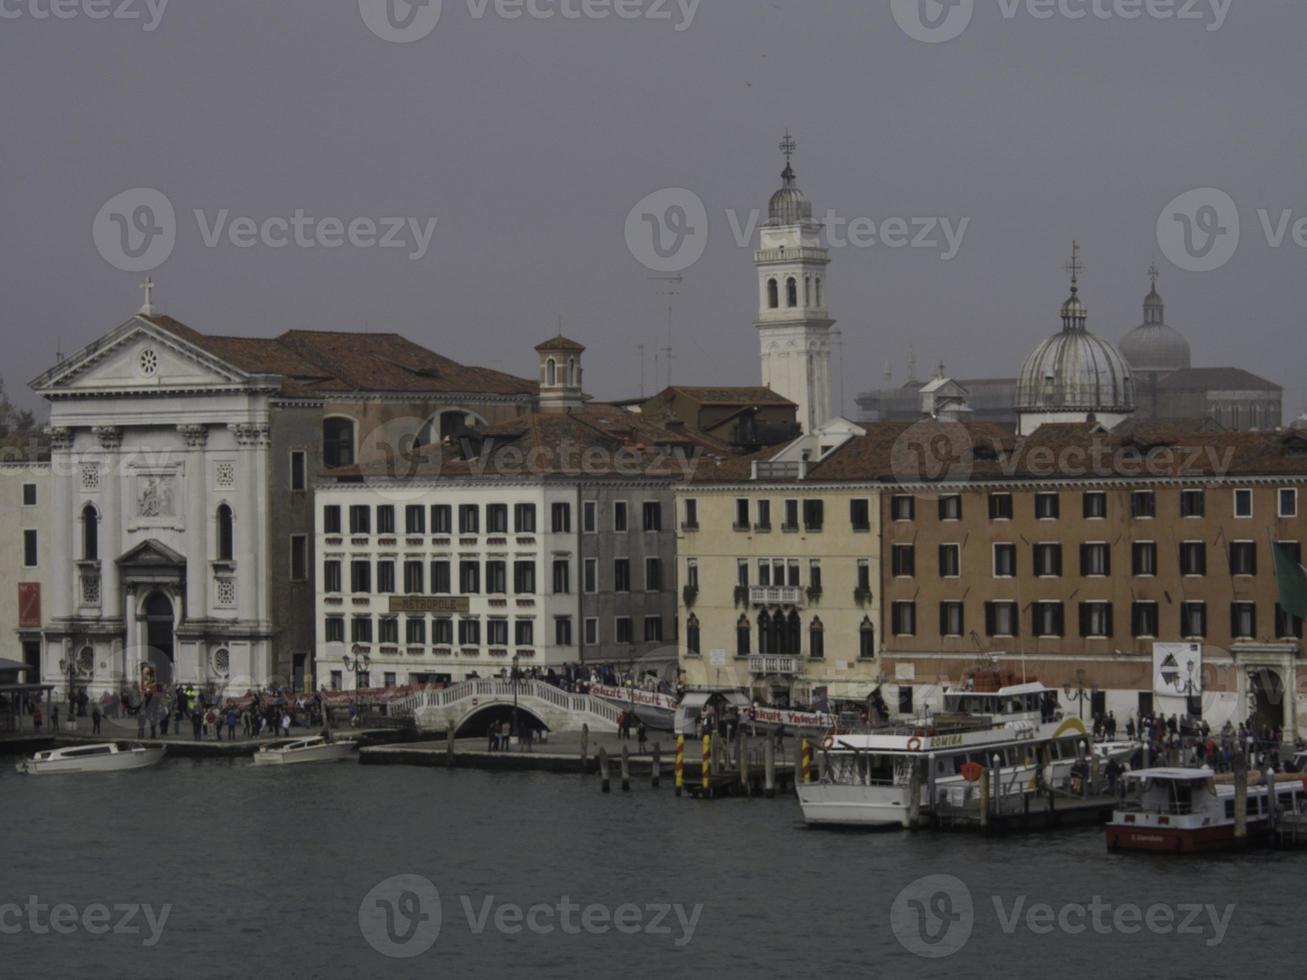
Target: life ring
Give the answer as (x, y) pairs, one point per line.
(828, 743)
(914, 744)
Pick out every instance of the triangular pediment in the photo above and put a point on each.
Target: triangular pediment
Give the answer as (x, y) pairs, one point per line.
(152, 554)
(138, 356)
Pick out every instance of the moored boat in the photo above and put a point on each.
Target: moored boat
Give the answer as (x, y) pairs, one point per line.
(105, 757)
(314, 748)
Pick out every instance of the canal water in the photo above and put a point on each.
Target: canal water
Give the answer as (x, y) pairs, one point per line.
(374, 872)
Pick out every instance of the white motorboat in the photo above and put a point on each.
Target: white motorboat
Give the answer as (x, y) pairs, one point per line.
(107, 757)
(1115, 751)
(315, 748)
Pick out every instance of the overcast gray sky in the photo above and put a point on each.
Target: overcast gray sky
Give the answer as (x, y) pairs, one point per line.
(530, 140)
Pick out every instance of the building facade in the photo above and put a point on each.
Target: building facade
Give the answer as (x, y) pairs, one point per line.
(26, 563)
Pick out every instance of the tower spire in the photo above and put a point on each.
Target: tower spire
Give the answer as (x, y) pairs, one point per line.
(1074, 312)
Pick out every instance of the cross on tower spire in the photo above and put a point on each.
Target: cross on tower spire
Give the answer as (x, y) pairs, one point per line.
(1154, 273)
(788, 145)
(148, 308)
(1075, 267)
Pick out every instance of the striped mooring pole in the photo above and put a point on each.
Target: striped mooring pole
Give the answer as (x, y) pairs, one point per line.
(680, 764)
(807, 761)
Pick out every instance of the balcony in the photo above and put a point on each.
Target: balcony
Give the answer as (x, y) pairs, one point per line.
(775, 595)
(764, 664)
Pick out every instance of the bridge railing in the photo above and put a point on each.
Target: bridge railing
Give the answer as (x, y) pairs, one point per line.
(489, 687)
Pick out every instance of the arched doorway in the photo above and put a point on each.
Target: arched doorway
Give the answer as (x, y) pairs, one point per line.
(1266, 698)
(159, 638)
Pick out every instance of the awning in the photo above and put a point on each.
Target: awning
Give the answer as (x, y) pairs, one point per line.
(7, 665)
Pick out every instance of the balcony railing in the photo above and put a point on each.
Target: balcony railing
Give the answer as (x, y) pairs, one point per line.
(775, 595)
(766, 664)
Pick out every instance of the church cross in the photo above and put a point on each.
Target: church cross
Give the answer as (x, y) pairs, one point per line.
(1075, 267)
(148, 287)
(1154, 274)
(788, 145)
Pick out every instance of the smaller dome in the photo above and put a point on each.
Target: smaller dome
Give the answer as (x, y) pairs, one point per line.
(789, 205)
(1153, 346)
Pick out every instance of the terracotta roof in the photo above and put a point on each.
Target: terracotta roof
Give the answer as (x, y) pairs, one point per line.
(1216, 379)
(316, 362)
(561, 343)
(728, 396)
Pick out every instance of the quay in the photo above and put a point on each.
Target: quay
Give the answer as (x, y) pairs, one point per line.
(184, 745)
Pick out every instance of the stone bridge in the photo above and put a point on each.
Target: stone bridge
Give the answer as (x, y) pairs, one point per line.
(434, 710)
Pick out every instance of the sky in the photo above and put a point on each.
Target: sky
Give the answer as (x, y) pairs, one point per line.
(530, 140)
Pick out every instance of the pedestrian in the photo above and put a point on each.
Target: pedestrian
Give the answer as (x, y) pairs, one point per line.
(493, 737)
(642, 736)
(95, 719)
(197, 726)
(232, 719)
(285, 724)
(54, 717)
(36, 717)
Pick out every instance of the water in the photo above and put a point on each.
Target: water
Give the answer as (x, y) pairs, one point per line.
(265, 872)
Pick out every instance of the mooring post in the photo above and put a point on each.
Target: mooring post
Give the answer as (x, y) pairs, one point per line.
(603, 770)
(626, 769)
(769, 767)
(678, 776)
(585, 748)
(823, 766)
(657, 776)
(1272, 800)
(706, 774)
(914, 795)
(807, 761)
(449, 745)
(1240, 763)
(984, 799)
(742, 750)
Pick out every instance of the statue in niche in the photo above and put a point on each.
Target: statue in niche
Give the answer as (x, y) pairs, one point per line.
(155, 497)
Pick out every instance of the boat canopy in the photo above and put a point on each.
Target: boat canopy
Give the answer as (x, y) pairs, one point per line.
(1174, 774)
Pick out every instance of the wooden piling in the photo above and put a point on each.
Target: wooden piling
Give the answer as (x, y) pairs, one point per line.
(585, 748)
(806, 749)
(706, 774)
(678, 775)
(914, 795)
(656, 770)
(603, 770)
(449, 745)
(984, 799)
(626, 769)
(1240, 764)
(769, 768)
(742, 753)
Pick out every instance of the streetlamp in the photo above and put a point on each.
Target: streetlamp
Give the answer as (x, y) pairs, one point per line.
(1079, 692)
(359, 663)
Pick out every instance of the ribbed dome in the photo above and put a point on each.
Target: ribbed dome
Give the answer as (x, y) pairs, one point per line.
(789, 205)
(1153, 346)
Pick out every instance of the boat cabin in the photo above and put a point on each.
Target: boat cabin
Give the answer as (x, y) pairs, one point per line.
(1020, 702)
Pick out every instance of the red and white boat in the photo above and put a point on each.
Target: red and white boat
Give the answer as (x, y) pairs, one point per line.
(1190, 810)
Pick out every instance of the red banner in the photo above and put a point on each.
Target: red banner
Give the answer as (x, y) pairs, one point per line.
(29, 604)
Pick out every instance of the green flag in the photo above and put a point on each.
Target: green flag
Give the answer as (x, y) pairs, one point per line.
(1291, 577)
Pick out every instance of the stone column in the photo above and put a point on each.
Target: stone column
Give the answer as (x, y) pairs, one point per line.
(63, 570)
(249, 438)
(197, 521)
(112, 604)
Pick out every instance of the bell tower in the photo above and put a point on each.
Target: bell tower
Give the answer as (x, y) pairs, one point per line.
(793, 325)
(560, 375)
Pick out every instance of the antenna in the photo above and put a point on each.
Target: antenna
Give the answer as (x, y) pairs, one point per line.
(640, 348)
(839, 343)
(669, 287)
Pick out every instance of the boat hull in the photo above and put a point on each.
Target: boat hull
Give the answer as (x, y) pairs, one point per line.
(1178, 840)
(333, 752)
(836, 805)
(117, 762)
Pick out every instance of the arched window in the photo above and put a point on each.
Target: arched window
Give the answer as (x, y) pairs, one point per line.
(819, 302)
(792, 635)
(816, 640)
(692, 634)
(807, 290)
(773, 294)
(1234, 417)
(866, 639)
(551, 372)
(90, 534)
(743, 636)
(791, 292)
(337, 442)
(571, 372)
(226, 535)
(764, 633)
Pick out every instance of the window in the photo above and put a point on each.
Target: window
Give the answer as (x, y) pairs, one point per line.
(653, 515)
(590, 576)
(903, 508)
(337, 442)
(1243, 620)
(1243, 558)
(1286, 626)
(1143, 504)
(497, 633)
(469, 632)
(389, 632)
(813, 514)
(497, 518)
(1193, 558)
(1048, 619)
(864, 576)
(90, 533)
(442, 632)
(622, 629)
(860, 514)
(742, 572)
(524, 632)
(589, 520)
(950, 561)
(360, 519)
(29, 494)
(653, 629)
(691, 514)
(903, 619)
(791, 516)
(1095, 505)
(331, 576)
(561, 515)
(496, 578)
(742, 514)
(763, 510)
(386, 519)
(653, 574)
(331, 519)
(1048, 560)
(226, 534)
(469, 577)
(743, 637)
(1048, 506)
(1096, 559)
(1144, 620)
(1000, 506)
(951, 619)
(524, 577)
(298, 470)
(442, 519)
(1005, 561)
(1193, 503)
(773, 294)
(791, 292)
(1193, 620)
(591, 628)
(385, 577)
(1288, 503)
(415, 519)
(903, 560)
(1243, 503)
(622, 575)
(440, 578)
(524, 518)
(562, 576)
(817, 640)
(905, 700)
(415, 631)
(335, 629)
(1144, 558)
(866, 640)
(469, 519)
(950, 507)
(692, 639)
(692, 573)
(299, 558)
(1001, 618)
(31, 554)
(621, 522)
(814, 575)
(360, 629)
(360, 577)
(1095, 619)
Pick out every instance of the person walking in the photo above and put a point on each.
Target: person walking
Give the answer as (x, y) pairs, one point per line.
(232, 719)
(197, 723)
(95, 719)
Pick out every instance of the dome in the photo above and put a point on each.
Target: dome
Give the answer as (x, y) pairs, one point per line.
(1153, 346)
(789, 205)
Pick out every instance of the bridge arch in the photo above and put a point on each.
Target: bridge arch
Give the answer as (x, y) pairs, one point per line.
(478, 720)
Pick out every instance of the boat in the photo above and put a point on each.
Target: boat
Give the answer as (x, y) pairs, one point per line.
(314, 748)
(1121, 751)
(870, 775)
(106, 757)
(1178, 810)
